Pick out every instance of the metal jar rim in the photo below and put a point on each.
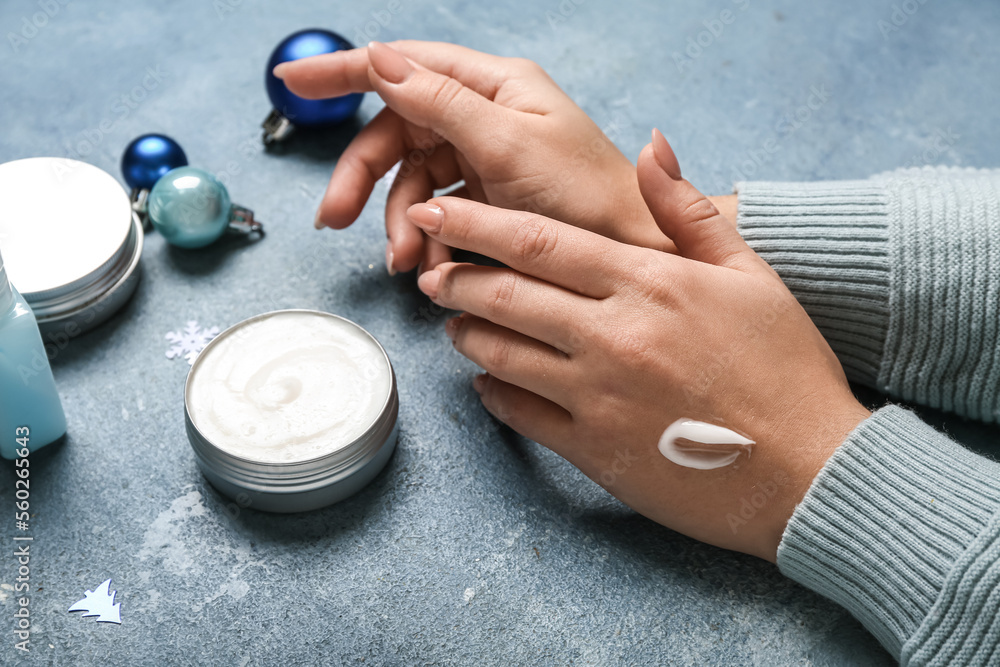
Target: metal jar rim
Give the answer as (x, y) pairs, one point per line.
(292, 476)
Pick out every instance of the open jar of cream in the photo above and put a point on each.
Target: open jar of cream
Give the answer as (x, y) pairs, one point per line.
(291, 410)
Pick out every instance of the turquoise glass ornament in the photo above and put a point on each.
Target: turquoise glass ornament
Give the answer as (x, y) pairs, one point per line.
(190, 208)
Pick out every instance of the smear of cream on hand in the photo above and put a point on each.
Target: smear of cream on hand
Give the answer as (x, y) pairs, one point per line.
(695, 444)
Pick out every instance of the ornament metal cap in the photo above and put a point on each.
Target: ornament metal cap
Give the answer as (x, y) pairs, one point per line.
(276, 127)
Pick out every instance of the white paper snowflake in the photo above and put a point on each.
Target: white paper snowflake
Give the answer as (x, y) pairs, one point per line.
(190, 342)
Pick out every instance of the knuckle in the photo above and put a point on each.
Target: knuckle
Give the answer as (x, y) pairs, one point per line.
(526, 66)
(445, 92)
(499, 354)
(633, 348)
(698, 211)
(501, 296)
(496, 401)
(533, 240)
(650, 278)
(460, 219)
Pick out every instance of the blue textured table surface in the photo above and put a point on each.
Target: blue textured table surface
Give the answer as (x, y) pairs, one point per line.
(473, 546)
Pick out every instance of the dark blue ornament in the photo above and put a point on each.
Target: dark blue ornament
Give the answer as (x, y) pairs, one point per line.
(289, 108)
(148, 158)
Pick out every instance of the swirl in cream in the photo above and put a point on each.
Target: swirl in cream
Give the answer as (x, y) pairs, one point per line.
(292, 386)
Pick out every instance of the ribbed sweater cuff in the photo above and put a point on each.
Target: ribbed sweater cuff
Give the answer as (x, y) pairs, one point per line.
(829, 242)
(901, 528)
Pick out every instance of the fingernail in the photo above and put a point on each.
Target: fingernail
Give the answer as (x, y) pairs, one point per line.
(451, 327)
(279, 70)
(429, 283)
(317, 223)
(389, 63)
(664, 155)
(389, 256)
(426, 216)
(479, 382)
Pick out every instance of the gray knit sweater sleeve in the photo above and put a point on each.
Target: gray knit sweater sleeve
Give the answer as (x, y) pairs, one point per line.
(900, 272)
(902, 527)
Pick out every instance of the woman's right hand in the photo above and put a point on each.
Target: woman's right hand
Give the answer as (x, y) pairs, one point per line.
(500, 124)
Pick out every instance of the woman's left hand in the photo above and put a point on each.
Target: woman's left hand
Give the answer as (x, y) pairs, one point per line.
(593, 347)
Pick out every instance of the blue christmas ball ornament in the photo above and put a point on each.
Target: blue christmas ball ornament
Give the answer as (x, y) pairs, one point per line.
(289, 108)
(190, 207)
(148, 158)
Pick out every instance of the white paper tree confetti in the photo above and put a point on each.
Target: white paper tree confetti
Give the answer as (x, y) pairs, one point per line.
(100, 603)
(190, 342)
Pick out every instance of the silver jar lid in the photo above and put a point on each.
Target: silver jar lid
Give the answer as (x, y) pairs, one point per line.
(70, 240)
(296, 485)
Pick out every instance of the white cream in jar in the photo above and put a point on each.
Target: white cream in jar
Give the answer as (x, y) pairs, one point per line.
(290, 387)
(291, 402)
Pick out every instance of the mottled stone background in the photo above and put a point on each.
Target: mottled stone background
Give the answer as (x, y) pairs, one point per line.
(474, 546)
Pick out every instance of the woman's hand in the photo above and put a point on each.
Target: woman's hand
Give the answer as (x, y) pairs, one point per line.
(500, 124)
(593, 347)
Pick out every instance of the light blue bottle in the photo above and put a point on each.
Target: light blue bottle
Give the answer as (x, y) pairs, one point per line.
(30, 411)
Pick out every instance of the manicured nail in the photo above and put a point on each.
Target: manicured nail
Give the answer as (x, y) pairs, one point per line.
(479, 382)
(426, 216)
(664, 155)
(389, 256)
(317, 223)
(389, 63)
(451, 327)
(429, 283)
(279, 70)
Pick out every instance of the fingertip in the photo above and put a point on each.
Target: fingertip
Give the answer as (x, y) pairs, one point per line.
(407, 254)
(390, 257)
(388, 64)
(654, 183)
(665, 155)
(429, 282)
(280, 70)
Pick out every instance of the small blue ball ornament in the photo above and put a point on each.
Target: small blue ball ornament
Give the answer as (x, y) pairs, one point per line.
(148, 158)
(190, 208)
(290, 109)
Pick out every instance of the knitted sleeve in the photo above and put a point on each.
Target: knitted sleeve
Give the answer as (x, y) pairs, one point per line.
(900, 272)
(902, 528)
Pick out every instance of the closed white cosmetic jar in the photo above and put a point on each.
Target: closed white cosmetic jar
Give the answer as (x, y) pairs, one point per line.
(70, 241)
(292, 410)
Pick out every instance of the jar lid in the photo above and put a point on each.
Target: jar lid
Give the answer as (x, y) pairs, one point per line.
(67, 232)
